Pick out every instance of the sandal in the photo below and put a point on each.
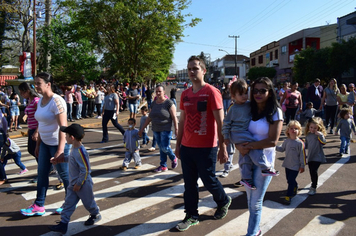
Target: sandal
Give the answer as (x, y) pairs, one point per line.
(15, 129)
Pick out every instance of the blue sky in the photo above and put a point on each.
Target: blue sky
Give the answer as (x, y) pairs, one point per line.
(257, 23)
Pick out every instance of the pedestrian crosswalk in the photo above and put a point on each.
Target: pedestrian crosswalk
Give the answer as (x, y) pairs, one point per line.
(126, 194)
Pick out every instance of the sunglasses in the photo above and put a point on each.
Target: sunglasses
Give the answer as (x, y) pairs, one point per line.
(260, 91)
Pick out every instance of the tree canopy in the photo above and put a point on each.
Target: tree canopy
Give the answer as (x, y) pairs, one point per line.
(326, 63)
(257, 72)
(135, 37)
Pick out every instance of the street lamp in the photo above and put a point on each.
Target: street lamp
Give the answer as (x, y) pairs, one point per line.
(235, 37)
(222, 50)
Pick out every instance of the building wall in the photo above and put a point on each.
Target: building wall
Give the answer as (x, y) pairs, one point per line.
(266, 56)
(328, 35)
(346, 27)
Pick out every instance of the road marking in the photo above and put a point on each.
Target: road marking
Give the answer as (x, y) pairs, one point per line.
(97, 179)
(274, 212)
(321, 225)
(171, 219)
(125, 187)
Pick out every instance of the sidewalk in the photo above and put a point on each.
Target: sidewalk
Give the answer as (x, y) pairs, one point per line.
(86, 123)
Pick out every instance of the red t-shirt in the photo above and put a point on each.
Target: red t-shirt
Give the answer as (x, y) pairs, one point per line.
(200, 129)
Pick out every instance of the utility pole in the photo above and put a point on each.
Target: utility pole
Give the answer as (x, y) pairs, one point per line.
(47, 56)
(235, 37)
(34, 38)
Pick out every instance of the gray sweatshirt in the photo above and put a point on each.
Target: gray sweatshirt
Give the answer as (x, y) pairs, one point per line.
(295, 154)
(78, 166)
(237, 119)
(345, 127)
(310, 113)
(131, 140)
(9, 147)
(142, 122)
(314, 143)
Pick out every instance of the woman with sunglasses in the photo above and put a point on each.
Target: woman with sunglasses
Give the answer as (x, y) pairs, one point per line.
(265, 126)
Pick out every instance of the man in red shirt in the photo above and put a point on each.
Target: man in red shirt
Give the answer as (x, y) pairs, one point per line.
(200, 125)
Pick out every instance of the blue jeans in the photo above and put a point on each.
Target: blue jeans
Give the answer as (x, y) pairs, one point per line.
(226, 103)
(291, 176)
(46, 152)
(133, 107)
(108, 115)
(31, 144)
(163, 140)
(84, 109)
(2, 172)
(230, 152)
(174, 101)
(69, 111)
(79, 111)
(200, 162)
(154, 142)
(255, 200)
(145, 138)
(344, 146)
(17, 159)
(149, 103)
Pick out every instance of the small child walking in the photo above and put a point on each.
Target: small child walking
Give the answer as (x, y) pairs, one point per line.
(132, 146)
(346, 126)
(145, 138)
(80, 182)
(314, 141)
(10, 150)
(235, 130)
(295, 159)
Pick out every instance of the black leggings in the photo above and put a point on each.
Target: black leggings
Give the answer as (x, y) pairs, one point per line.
(290, 114)
(313, 171)
(330, 114)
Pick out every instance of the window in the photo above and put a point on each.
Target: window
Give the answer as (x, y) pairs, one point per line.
(284, 49)
(276, 54)
(260, 59)
(271, 56)
(253, 62)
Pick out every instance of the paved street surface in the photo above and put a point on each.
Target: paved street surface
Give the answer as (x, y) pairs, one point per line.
(141, 202)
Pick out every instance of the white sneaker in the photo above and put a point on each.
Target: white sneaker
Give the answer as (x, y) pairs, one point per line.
(151, 149)
(19, 127)
(312, 191)
(224, 174)
(98, 117)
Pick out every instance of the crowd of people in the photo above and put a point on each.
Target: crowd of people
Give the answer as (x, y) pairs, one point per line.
(212, 124)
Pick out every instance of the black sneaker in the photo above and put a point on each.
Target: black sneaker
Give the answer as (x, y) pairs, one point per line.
(287, 200)
(248, 183)
(270, 172)
(61, 227)
(339, 154)
(187, 222)
(238, 184)
(295, 190)
(92, 219)
(221, 212)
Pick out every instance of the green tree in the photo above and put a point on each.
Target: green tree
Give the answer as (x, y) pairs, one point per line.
(71, 54)
(135, 37)
(257, 72)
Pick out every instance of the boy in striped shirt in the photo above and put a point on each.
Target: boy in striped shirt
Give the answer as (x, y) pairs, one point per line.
(80, 182)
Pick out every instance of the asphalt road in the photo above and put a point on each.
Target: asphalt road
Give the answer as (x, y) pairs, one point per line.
(141, 202)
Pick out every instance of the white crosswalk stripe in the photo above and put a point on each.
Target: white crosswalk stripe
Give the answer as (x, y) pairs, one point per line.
(273, 211)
